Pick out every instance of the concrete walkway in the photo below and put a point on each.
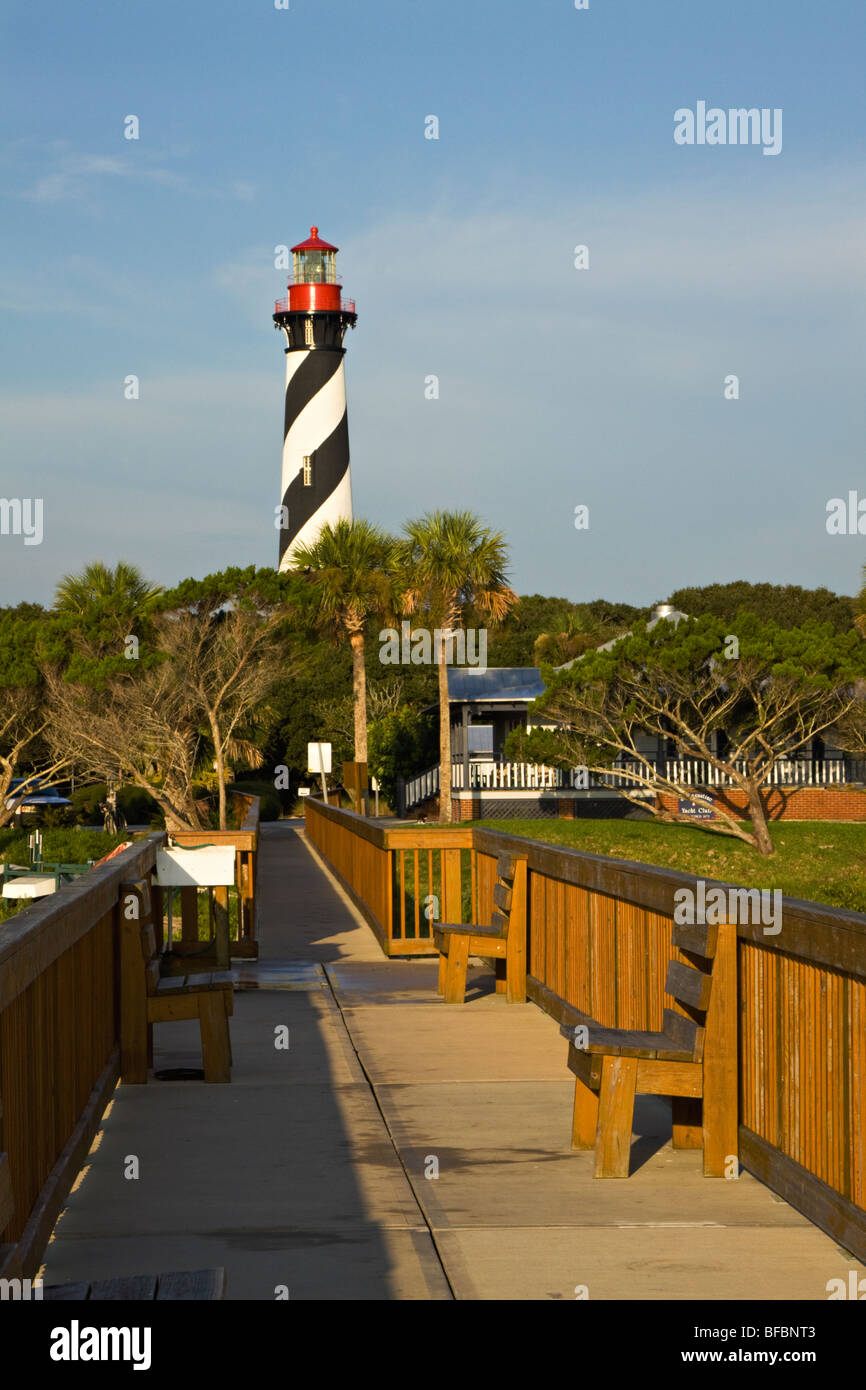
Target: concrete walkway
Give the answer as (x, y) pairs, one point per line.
(401, 1148)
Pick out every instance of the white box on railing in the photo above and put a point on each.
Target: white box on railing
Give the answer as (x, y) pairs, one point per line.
(212, 866)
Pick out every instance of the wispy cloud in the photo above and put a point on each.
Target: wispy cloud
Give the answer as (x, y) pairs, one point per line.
(73, 176)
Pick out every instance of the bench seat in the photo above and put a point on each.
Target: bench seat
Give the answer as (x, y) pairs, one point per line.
(192, 984)
(625, 1042)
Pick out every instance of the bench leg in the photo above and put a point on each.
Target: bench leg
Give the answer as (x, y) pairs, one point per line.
(515, 972)
(215, 1042)
(443, 970)
(458, 964)
(615, 1117)
(584, 1128)
(135, 1035)
(228, 1003)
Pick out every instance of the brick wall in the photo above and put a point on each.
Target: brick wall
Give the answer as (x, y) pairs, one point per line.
(792, 803)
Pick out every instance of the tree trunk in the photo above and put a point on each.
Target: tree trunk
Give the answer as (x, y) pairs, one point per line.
(359, 690)
(445, 813)
(758, 817)
(220, 769)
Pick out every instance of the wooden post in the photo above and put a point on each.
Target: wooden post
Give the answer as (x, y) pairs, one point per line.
(157, 908)
(221, 922)
(451, 906)
(515, 959)
(133, 991)
(189, 916)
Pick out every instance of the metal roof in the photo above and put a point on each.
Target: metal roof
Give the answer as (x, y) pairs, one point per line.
(314, 243)
(468, 684)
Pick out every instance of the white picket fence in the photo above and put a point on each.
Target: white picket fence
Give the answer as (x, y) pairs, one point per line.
(689, 772)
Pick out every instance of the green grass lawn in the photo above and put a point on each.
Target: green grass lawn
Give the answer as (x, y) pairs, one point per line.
(822, 861)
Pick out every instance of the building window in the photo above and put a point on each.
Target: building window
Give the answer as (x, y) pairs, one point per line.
(308, 470)
(481, 740)
(308, 332)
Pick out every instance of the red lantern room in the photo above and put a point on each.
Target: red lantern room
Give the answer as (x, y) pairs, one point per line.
(315, 282)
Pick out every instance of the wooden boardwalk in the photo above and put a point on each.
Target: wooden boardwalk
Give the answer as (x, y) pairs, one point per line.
(400, 1148)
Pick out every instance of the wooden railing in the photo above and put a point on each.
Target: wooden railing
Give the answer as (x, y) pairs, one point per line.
(403, 880)
(60, 1020)
(599, 940)
(59, 1035)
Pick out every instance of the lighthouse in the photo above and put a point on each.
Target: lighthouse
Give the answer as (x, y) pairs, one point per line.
(316, 487)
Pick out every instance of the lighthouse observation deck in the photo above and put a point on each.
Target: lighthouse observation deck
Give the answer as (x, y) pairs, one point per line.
(284, 306)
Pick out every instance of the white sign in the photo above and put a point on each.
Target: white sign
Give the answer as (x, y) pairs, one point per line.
(374, 784)
(318, 757)
(211, 866)
(303, 791)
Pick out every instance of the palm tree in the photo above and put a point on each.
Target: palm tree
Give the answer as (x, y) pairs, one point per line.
(450, 564)
(97, 583)
(348, 566)
(568, 636)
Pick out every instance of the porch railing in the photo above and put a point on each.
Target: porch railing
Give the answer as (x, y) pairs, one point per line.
(502, 775)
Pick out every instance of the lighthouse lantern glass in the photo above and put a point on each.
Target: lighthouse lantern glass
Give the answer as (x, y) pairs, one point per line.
(315, 267)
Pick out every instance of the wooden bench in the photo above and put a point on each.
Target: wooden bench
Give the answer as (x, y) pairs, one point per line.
(503, 941)
(694, 1057)
(148, 997)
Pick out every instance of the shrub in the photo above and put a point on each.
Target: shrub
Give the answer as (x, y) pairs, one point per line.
(400, 744)
(136, 806)
(269, 804)
(73, 846)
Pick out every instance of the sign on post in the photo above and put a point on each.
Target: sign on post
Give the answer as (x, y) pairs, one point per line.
(318, 757)
(319, 760)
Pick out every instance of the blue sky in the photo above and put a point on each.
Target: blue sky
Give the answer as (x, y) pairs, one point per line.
(558, 387)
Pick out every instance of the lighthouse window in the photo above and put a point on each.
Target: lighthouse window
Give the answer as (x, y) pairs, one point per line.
(308, 470)
(308, 332)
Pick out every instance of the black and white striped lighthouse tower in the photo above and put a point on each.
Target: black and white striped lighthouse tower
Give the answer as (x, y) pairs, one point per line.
(316, 485)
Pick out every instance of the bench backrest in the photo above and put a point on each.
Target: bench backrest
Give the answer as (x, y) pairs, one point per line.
(510, 886)
(691, 985)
